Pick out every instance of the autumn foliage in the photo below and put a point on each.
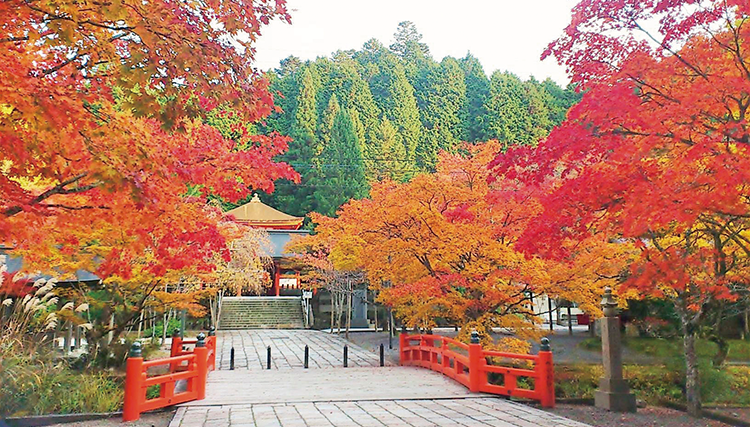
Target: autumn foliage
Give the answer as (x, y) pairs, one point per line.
(443, 246)
(106, 157)
(102, 113)
(656, 154)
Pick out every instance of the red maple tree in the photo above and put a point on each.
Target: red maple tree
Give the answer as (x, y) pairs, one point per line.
(656, 153)
(106, 160)
(103, 110)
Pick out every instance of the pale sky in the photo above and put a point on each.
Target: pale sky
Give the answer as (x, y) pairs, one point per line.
(503, 34)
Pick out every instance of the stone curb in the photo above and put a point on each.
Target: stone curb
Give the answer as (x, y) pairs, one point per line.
(709, 414)
(45, 420)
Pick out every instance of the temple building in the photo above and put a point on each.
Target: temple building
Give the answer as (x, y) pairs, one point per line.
(287, 302)
(281, 228)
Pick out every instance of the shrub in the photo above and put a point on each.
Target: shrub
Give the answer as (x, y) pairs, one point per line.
(34, 384)
(650, 383)
(32, 381)
(657, 383)
(655, 327)
(739, 384)
(577, 381)
(665, 349)
(172, 328)
(591, 344)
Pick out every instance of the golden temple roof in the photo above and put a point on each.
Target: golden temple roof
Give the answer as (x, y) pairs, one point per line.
(258, 214)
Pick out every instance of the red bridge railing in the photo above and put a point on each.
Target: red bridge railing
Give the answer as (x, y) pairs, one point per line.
(470, 365)
(178, 349)
(191, 365)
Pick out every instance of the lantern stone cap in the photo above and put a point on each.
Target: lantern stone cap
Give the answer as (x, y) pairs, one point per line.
(609, 304)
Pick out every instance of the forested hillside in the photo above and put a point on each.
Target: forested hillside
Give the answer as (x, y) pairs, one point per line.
(385, 112)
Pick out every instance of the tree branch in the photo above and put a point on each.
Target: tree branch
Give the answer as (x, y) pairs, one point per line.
(58, 189)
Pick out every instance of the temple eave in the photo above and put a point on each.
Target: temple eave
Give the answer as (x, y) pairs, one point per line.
(275, 225)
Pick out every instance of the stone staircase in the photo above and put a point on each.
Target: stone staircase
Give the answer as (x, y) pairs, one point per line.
(261, 313)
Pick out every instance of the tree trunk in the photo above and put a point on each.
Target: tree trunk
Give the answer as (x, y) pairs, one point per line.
(110, 335)
(336, 308)
(348, 314)
(167, 319)
(747, 322)
(332, 311)
(218, 309)
(340, 313)
(721, 354)
(715, 336)
(68, 337)
(692, 382)
(140, 324)
(390, 329)
(570, 321)
(549, 305)
(212, 304)
(78, 338)
(163, 327)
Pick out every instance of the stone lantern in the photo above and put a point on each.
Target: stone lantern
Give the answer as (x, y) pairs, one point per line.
(613, 393)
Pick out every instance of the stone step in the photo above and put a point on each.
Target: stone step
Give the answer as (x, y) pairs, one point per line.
(251, 313)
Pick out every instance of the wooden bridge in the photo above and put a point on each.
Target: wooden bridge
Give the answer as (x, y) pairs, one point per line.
(327, 394)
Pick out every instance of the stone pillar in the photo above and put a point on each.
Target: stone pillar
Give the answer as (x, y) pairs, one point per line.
(68, 338)
(359, 309)
(78, 337)
(613, 393)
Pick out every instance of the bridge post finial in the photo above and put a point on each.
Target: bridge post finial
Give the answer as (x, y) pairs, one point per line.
(136, 350)
(474, 336)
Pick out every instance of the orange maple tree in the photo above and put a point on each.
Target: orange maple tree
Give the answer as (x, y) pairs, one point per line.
(442, 246)
(106, 159)
(656, 154)
(103, 105)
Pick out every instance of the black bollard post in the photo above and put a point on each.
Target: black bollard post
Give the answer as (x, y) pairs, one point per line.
(346, 356)
(268, 357)
(307, 356)
(382, 355)
(231, 360)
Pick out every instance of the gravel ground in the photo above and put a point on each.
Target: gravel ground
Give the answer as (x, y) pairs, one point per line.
(646, 417)
(564, 347)
(371, 341)
(739, 413)
(153, 419)
(566, 350)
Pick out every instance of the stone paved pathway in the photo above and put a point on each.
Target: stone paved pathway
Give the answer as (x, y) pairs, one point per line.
(288, 349)
(327, 385)
(327, 394)
(476, 411)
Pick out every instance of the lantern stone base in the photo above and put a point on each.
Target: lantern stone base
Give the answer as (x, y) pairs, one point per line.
(613, 395)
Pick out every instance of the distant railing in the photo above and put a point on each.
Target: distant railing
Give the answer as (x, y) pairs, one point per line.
(470, 365)
(178, 349)
(191, 365)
